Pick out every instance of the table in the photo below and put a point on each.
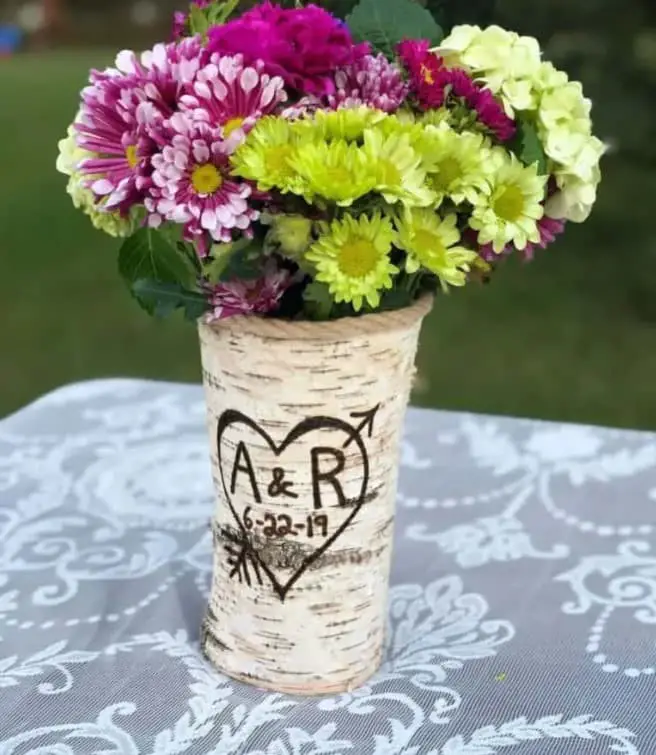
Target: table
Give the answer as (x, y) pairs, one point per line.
(522, 612)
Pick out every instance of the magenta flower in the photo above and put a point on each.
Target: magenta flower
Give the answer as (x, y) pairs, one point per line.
(371, 81)
(245, 297)
(192, 183)
(304, 46)
(228, 94)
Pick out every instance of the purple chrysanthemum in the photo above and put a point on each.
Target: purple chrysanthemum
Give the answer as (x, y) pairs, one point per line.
(371, 81)
(550, 229)
(242, 297)
(228, 94)
(192, 183)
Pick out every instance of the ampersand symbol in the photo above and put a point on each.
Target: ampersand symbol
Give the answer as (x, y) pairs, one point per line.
(279, 486)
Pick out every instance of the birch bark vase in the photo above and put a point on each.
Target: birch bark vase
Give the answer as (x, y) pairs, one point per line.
(305, 421)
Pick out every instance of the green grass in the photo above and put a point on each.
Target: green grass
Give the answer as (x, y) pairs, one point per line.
(570, 337)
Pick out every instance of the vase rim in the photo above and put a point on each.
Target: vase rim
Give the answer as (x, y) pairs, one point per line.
(344, 328)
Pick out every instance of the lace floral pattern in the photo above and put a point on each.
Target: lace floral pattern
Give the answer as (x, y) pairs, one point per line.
(525, 567)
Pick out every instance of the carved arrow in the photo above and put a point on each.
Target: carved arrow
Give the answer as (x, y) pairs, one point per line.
(366, 424)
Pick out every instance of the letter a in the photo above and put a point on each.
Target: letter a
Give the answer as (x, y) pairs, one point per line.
(244, 466)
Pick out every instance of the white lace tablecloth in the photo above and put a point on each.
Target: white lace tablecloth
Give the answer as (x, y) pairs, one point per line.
(522, 614)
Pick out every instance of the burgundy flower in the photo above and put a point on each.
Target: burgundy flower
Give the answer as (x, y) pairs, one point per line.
(424, 69)
(488, 110)
(433, 83)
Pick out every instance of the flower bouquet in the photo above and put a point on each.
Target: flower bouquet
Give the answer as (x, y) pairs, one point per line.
(303, 187)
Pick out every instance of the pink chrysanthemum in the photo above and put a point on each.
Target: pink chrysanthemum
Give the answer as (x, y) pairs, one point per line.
(165, 72)
(433, 83)
(108, 125)
(549, 229)
(118, 109)
(228, 94)
(371, 81)
(305, 46)
(180, 19)
(192, 183)
(243, 297)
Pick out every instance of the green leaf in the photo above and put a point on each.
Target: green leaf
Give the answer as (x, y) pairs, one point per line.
(198, 21)
(220, 12)
(395, 298)
(527, 145)
(318, 301)
(163, 299)
(214, 269)
(241, 259)
(147, 254)
(385, 23)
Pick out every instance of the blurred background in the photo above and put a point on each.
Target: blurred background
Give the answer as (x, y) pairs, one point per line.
(571, 336)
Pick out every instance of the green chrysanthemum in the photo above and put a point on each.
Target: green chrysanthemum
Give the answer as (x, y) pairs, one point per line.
(265, 157)
(458, 165)
(347, 124)
(509, 213)
(293, 233)
(436, 118)
(432, 242)
(337, 171)
(353, 259)
(399, 176)
(70, 156)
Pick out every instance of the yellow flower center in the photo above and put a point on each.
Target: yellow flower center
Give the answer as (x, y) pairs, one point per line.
(449, 171)
(357, 258)
(275, 159)
(339, 175)
(131, 155)
(206, 179)
(231, 126)
(427, 243)
(509, 204)
(427, 74)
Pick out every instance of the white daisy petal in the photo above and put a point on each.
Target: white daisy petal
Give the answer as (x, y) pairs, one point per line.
(249, 79)
(209, 220)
